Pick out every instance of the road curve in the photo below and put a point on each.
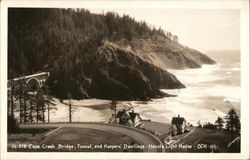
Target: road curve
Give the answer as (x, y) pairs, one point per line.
(142, 137)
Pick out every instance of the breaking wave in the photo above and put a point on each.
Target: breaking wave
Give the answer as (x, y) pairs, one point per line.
(212, 91)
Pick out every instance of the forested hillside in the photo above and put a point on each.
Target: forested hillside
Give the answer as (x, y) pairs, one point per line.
(37, 34)
(84, 54)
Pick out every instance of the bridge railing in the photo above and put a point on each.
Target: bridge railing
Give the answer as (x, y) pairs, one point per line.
(42, 75)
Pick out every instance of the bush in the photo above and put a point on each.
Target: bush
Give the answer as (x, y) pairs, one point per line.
(209, 125)
(12, 125)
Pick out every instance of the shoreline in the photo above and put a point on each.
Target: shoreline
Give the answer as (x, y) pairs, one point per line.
(200, 97)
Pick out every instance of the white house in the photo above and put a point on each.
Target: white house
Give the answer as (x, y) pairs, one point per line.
(178, 125)
(126, 118)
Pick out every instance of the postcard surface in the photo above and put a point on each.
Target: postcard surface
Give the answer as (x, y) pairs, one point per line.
(126, 79)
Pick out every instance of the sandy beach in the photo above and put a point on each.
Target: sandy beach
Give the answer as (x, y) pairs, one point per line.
(86, 110)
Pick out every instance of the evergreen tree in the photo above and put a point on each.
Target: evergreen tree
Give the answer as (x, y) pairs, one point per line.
(32, 106)
(9, 102)
(232, 123)
(48, 101)
(219, 122)
(20, 97)
(12, 125)
(25, 107)
(70, 107)
(12, 103)
(40, 105)
(199, 123)
(114, 106)
(64, 42)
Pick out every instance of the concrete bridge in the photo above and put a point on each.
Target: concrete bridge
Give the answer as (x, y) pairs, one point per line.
(38, 80)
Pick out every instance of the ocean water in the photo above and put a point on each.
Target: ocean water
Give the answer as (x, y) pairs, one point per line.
(211, 91)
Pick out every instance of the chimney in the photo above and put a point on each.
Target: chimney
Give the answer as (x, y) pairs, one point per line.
(178, 116)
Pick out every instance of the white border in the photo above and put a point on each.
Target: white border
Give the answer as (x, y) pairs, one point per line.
(243, 5)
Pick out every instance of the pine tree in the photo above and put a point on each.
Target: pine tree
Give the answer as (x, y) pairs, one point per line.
(20, 92)
(219, 122)
(25, 104)
(47, 31)
(40, 105)
(114, 106)
(199, 123)
(32, 102)
(48, 101)
(9, 102)
(232, 123)
(12, 98)
(70, 107)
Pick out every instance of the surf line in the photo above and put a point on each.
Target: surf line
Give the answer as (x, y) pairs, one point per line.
(53, 131)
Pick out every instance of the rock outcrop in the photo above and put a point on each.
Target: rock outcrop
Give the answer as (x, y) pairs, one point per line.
(127, 76)
(165, 53)
(95, 55)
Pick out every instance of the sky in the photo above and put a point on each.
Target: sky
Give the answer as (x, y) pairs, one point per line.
(201, 29)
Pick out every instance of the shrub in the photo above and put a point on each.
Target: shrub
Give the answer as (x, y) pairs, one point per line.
(12, 125)
(209, 125)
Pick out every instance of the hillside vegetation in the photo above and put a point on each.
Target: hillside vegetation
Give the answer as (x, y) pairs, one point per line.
(90, 55)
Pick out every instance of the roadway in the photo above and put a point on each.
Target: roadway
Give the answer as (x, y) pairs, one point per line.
(141, 137)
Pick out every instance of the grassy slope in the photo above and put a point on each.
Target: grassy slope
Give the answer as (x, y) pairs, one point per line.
(161, 129)
(203, 136)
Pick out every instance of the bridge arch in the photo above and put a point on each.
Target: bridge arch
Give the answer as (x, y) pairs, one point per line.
(33, 84)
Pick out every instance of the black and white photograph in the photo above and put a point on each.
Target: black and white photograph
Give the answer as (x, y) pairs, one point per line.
(125, 80)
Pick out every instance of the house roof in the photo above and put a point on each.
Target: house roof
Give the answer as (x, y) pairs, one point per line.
(177, 120)
(133, 115)
(120, 114)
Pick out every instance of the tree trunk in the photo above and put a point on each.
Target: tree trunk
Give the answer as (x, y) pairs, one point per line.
(25, 107)
(47, 100)
(43, 112)
(20, 103)
(48, 112)
(8, 104)
(37, 108)
(31, 111)
(70, 120)
(12, 99)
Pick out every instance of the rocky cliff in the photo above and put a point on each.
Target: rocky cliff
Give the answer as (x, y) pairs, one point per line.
(121, 75)
(165, 53)
(133, 77)
(99, 56)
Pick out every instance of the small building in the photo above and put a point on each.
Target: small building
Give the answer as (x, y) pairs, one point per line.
(123, 117)
(178, 125)
(135, 118)
(113, 119)
(126, 118)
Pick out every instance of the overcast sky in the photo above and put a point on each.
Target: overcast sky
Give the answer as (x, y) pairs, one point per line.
(202, 29)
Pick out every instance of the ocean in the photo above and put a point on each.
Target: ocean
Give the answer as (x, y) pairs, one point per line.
(211, 91)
